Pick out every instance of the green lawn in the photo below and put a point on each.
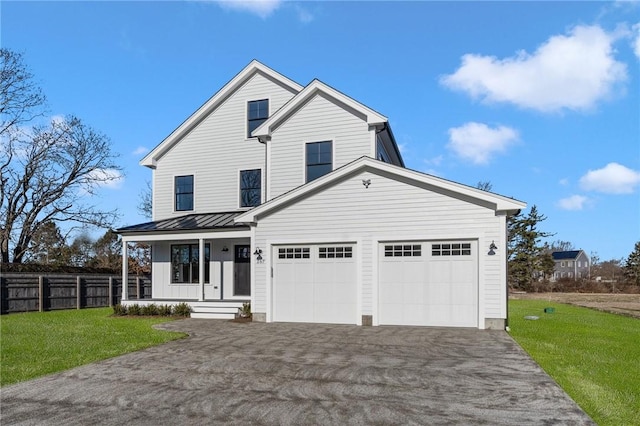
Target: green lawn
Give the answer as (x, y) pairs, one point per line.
(594, 356)
(37, 343)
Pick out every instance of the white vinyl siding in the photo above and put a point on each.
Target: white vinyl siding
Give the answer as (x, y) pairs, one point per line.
(320, 119)
(215, 150)
(388, 210)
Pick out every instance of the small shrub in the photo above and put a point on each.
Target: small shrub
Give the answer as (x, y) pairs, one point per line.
(150, 310)
(134, 309)
(165, 310)
(245, 311)
(119, 310)
(182, 310)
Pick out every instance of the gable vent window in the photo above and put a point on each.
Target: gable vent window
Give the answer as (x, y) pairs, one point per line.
(257, 113)
(455, 249)
(293, 253)
(184, 193)
(403, 250)
(335, 252)
(319, 159)
(250, 188)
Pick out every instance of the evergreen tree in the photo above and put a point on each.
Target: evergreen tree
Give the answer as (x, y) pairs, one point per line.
(527, 257)
(632, 266)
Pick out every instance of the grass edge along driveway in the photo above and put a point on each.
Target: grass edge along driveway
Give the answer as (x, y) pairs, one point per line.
(35, 344)
(592, 355)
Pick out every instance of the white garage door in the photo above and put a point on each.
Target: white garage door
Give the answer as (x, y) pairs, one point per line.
(428, 283)
(315, 283)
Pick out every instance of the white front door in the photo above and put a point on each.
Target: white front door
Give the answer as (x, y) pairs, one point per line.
(430, 283)
(315, 283)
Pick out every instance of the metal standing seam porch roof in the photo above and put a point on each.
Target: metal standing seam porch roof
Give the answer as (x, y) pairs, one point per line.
(191, 222)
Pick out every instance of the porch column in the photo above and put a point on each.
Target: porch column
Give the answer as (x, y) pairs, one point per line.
(201, 259)
(125, 270)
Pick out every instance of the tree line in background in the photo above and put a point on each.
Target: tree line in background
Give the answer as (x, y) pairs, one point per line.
(531, 265)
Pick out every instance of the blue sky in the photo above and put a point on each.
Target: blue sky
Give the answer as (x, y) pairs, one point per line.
(542, 99)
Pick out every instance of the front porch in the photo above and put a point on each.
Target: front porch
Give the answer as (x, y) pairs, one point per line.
(212, 309)
(203, 260)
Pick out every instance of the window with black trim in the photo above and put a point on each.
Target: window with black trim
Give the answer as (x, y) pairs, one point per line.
(451, 249)
(402, 250)
(185, 263)
(257, 113)
(184, 193)
(250, 187)
(319, 159)
(294, 253)
(335, 252)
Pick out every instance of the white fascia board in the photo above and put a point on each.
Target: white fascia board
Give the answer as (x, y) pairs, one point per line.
(316, 86)
(150, 160)
(500, 202)
(186, 235)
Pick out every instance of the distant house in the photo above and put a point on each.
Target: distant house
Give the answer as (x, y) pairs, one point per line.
(296, 199)
(572, 264)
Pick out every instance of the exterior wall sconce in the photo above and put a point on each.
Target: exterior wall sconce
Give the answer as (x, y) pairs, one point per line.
(225, 249)
(366, 182)
(258, 254)
(492, 248)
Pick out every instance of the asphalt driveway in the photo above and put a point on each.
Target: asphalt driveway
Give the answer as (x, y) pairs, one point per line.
(299, 374)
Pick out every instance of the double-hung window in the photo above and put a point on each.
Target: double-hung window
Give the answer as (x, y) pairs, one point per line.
(319, 158)
(185, 263)
(257, 113)
(184, 193)
(250, 187)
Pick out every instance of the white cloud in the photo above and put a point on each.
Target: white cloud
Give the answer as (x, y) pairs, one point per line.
(636, 40)
(304, 15)
(435, 161)
(107, 178)
(564, 181)
(141, 150)
(572, 71)
(611, 179)
(574, 202)
(262, 8)
(479, 143)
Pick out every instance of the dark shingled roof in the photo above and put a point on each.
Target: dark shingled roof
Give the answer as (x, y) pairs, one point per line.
(189, 222)
(561, 255)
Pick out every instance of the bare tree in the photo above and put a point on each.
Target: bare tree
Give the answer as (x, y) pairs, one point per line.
(485, 185)
(48, 172)
(145, 207)
(21, 99)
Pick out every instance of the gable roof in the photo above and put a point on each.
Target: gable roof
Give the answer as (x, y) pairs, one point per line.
(190, 222)
(234, 84)
(498, 202)
(562, 255)
(312, 89)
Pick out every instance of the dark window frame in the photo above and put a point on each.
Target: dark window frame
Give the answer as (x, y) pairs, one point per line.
(256, 116)
(180, 193)
(250, 194)
(190, 268)
(317, 161)
(403, 250)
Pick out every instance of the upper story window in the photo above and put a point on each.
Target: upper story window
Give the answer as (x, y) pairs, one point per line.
(319, 159)
(184, 192)
(257, 113)
(382, 153)
(250, 187)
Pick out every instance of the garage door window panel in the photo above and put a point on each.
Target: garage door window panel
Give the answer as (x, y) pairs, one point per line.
(335, 252)
(403, 250)
(294, 253)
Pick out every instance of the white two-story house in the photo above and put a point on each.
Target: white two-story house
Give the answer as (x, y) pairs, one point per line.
(296, 199)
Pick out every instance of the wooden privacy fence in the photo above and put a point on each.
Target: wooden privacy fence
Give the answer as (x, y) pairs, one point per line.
(24, 292)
